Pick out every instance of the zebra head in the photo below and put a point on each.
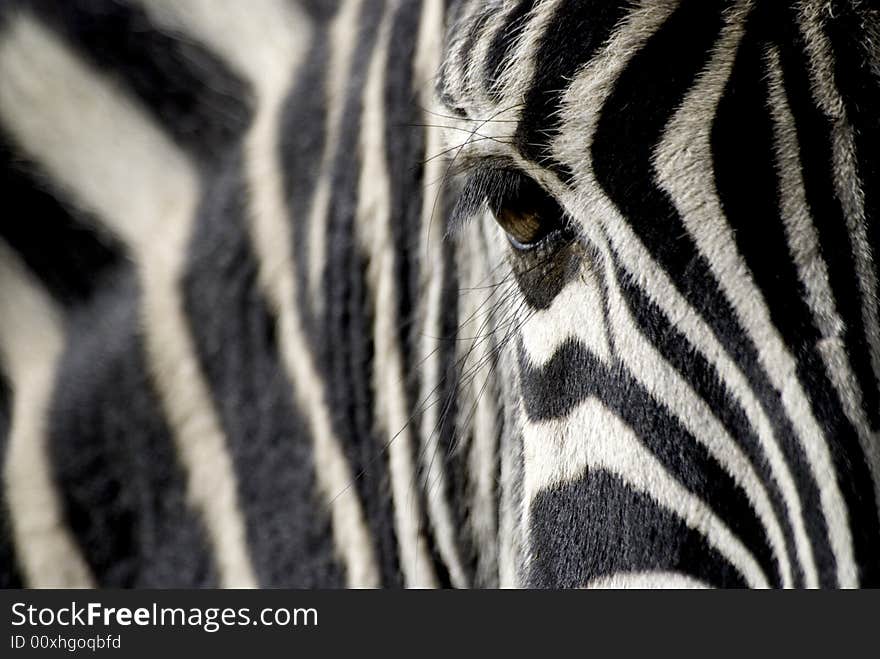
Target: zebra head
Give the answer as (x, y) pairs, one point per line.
(679, 202)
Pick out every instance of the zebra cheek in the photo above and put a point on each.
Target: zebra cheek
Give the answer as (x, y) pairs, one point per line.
(541, 274)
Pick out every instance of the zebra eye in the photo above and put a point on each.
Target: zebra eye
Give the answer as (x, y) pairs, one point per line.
(527, 213)
(525, 228)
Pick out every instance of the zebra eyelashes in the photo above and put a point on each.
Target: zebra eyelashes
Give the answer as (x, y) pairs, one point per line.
(528, 214)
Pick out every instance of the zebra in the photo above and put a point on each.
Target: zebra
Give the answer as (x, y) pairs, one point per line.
(439, 293)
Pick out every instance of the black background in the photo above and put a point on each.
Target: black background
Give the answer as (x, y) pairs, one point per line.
(486, 624)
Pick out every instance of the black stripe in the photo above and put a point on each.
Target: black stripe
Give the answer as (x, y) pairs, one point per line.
(598, 525)
(303, 138)
(543, 273)
(288, 527)
(456, 22)
(501, 49)
(475, 29)
(459, 371)
(704, 379)
(321, 11)
(124, 493)
(854, 50)
(816, 144)
(573, 37)
(10, 576)
(743, 150)
(452, 441)
(404, 155)
(573, 374)
(347, 349)
(193, 95)
(647, 93)
(59, 245)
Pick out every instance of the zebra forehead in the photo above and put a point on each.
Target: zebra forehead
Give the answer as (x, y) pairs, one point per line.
(502, 51)
(517, 73)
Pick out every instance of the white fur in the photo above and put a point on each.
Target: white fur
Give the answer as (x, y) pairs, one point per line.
(31, 341)
(577, 313)
(847, 182)
(271, 39)
(596, 83)
(110, 157)
(647, 581)
(669, 388)
(343, 39)
(684, 169)
(805, 251)
(392, 417)
(592, 437)
(427, 61)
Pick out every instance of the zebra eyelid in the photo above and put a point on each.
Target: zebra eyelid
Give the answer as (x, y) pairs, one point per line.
(500, 186)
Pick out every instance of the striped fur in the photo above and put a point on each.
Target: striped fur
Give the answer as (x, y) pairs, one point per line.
(258, 326)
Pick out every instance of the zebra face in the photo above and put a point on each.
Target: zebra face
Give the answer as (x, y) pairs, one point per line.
(676, 197)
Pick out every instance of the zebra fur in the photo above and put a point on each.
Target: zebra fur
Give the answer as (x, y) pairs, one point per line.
(259, 327)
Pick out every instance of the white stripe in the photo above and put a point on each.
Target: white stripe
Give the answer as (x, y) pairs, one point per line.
(669, 388)
(476, 335)
(493, 19)
(392, 417)
(592, 437)
(440, 514)
(479, 411)
(683, 163)
(490, 321)
(803, 243)
(490, 128)
(521, 67)
(482, 461)
(596, 82)
(647, 581)
(113, 160)
(505, 325)
(31, 342)
(256, 38)
(512, 534)
(845, 166)
(454, 62)
(268, 57)
(344, 32)
(577, 313)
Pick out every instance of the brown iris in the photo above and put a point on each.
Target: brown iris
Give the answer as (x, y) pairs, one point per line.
(526, 212)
